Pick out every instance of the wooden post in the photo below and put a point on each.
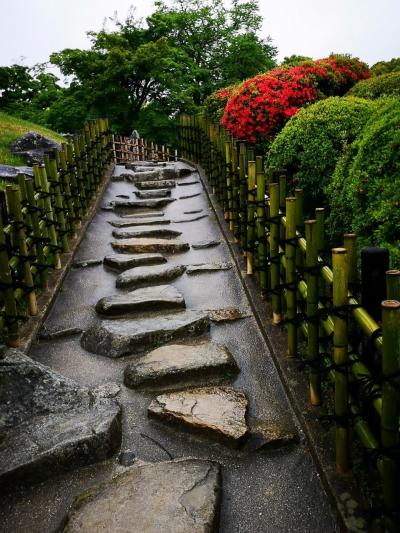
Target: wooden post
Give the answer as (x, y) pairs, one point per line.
(340, 356)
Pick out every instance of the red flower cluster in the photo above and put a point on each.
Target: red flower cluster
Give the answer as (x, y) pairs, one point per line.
(259, 108)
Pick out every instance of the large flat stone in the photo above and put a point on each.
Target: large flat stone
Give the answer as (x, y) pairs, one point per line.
(207, 267)
(148, 175)
(117, 338)
(156, 193)
(193, 219)
(138, 204)
(205, 244)
(186, 196)
(180, 362)
(48, 423)
(162, 184)
(140, 276)
(150, 245)
(144, 233)
(181, 496)
(139, 300)
(120, 262)
(140, 164)
(139, 222)
(148, 214)
(216, 411)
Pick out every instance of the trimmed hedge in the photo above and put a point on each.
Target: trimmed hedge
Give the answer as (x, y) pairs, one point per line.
(364, 194)
(313, 140)
(377, 87)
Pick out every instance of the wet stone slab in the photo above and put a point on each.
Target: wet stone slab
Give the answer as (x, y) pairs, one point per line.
(141, 276)
(140, 222)
(49, 424)
(183, 183)
(218, 412)
(150, 245)
(148, 175)
(179, 362)
(156, 193)
(205, 244)
(120, 262)
(207, 267)
(138, 233)
(162, 184)
(192, 219)
(139, 300)
(187, 196)
(181, 496)
(118, 338)
(226, 314)
(138, 204)
(148, 214)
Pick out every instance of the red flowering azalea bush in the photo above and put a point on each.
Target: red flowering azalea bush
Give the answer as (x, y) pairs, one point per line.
(214, 104)
(259, 108)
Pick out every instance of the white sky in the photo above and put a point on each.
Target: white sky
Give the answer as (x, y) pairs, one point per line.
(369, 29)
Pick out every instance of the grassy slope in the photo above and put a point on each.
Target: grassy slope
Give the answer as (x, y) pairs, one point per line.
(11, 129)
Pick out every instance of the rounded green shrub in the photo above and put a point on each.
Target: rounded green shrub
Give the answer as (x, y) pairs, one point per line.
(377, 86)
(364, 194)
(313, 140)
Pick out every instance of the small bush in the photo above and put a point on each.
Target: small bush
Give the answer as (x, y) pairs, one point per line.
(377, 87)
(313, 140)
(364, 194)
(214, 104)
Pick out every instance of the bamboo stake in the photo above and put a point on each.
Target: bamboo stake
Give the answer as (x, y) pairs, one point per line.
(42, 176)
(340, 355)
(393, 284)
(242, 196)
(35, 222)
(274, 252)
(290, 275)
(251, 183)
(260, 223)
(228, 162)
(349, 242)
(10, 304)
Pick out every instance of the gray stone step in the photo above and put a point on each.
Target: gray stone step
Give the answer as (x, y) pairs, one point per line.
(139, 300)
(183, 183)
(120, 262)
(144, 233)
(141, 276)
(180, 362)
(150, 245)
(186, 196)
(139, 222)
(156, 193)
(205, 268)
(181, 496)
(141, 164)
(219, 412)
(148, 214)
(137, 204)
(148, 175)
(205, 244)
(49, 424)
(118, 338)
(162, 184)
(193, 219)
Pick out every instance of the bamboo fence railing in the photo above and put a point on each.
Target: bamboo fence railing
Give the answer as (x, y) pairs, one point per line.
(39, 216)
(310, 296)
(127, 149)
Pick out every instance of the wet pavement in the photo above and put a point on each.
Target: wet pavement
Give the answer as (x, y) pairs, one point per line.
(264, 490)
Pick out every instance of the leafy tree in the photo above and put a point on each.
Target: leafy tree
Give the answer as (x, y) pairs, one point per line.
(384, 67)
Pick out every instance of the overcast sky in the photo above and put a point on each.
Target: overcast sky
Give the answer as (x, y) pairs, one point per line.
(369, 29)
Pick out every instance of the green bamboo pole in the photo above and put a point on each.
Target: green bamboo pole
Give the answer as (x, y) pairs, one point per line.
(260, 223)
(290, 275)
(274, 252)
(393, 284)
(350, 243)
(228, 161)
(340, 355)
(312, 309)
(52, 173)
(10, 304)
(68, 198)
(390, 406)
(235, 190)
(251, 184)
(14, 208)
(243, 196)
(75, 188)
(41, 176)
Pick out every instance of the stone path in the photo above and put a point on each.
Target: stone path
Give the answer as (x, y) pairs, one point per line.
(182, 353)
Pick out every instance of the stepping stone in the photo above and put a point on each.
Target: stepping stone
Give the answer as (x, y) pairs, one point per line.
(190, 219)
(194, 212)
(189, 196)
(137, 204)
(120, 262)
(207, 267)
(126, 196)
(188, 183)
(147, 299)
(149, 214)
(216, 411)
(139, 233)
(150, 245)
(117, 338)
(49, 423)
(205, 244)
(87, 263)
(228, 314)
(140, 222)
(140, 164)
(162, 184)
(149, 175)
(181, 496)
(179, 362)
(157, 193)
(136, 277)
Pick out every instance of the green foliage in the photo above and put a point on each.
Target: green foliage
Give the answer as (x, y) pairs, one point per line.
(214, 105)
(294, 60)
(11, 129)
(313, 140)
(384, 67)
(377, 86)
(364, 194)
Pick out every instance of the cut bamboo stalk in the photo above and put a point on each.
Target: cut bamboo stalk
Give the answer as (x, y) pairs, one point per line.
(274, 252)
(393, 284)
(251, 184)
(290, 275)
(260, 224)
(10, 304)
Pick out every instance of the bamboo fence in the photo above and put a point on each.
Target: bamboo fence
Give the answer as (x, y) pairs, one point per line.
(39, 216)
(309, 291)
